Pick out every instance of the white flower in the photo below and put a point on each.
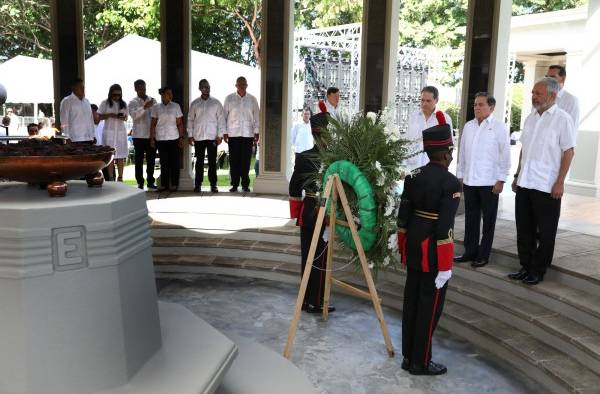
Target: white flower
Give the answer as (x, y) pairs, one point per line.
(371, 265)
(321, 169)
(378, 166)
(381, 179)
(372, 116)
(386, 261)
(390, 205)
(393, 242)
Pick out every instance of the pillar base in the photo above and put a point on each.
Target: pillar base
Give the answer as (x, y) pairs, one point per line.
(582, 189)
(271, 184)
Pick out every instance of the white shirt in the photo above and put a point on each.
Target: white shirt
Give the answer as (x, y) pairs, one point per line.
(302, 138)
(98, 133)
(113, 124)
(206, 120)
(333, 111)
(166, 126)
(141, 117)
(484, 155)
(569, 103)
(416, 124)
(545, 137)
(241, 115)
(76, 118)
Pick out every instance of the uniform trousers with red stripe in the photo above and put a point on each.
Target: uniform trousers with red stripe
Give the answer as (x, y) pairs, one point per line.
(316, 283)
(423, 305)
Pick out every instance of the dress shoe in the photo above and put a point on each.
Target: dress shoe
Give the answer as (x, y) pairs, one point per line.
(431, 369)
(141, 187)
(197, 189)
(479, 263)
(214, 189)
(519, 275)
(318, 309)
(533, 279)
(233, 190)
(462, 259)
(405, 364)
(151, 186)
(246, 189)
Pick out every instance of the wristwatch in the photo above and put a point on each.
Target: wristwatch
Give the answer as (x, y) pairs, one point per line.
(517, 175)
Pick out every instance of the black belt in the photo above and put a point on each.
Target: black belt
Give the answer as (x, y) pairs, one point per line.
(426, 214)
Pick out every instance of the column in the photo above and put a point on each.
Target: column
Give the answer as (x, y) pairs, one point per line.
(379, 53)
(67, 47)
(175, 39)
(276, 96)
(584, 177)
(529, 67)
(486, 54)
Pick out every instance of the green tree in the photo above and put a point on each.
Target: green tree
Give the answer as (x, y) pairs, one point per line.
(522, 7)
(25, 29)
(324, 13)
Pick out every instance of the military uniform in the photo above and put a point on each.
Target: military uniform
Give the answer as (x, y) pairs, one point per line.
(425, 224)
(305, 210)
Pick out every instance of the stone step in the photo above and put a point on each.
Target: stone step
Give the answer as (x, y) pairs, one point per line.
(576, 304)
(557, 371)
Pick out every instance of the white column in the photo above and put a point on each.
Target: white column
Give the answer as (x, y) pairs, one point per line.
(529, 68)
(499, 61)
(584, 177)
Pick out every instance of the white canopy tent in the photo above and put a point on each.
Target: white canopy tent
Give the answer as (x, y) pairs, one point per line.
(29, 80)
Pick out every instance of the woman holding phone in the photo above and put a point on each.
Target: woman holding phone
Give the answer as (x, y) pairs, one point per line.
(113, 111)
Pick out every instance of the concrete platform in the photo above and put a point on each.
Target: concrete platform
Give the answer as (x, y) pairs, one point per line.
(194, 357)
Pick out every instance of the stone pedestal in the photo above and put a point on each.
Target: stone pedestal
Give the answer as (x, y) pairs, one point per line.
(78, 300)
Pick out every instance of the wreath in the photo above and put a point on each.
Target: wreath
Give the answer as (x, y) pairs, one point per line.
(367, 151)
(367, 208)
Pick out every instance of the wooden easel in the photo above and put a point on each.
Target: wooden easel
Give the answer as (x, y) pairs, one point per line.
(333, 189)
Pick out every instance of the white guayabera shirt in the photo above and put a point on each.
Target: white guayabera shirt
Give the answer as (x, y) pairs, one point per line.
(141, 117)
(484, 155)
(206, 119)
(545, 137)
(569, 103)
(302, 138)
(416, 124)
(241, 115)
(76, 118)
(166, 125)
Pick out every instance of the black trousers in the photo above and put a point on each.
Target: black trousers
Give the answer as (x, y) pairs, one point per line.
(142, 148)
(316, 283)
(479, 202)
(537, 215)
(169, 162)
(423, 305)
(210, 146)
(240, 155)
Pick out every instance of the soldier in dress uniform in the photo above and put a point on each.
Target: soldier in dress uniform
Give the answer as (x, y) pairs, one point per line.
(425, 224)
(305, 210)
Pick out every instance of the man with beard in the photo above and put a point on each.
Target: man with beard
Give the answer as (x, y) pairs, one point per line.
(547, 149)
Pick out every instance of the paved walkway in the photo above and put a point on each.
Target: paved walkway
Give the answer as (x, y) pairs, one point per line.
(345, 355)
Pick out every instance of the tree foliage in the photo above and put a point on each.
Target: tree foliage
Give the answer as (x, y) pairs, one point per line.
(324, 13)
(523, 7)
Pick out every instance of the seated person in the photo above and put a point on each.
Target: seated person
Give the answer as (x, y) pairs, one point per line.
(33, 130)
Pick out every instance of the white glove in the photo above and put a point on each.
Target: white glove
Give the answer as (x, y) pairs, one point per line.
(325, 235)
(441, 278)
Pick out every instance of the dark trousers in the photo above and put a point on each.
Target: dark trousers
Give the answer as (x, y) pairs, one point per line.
(316, 283)
(423, 305)
(479, 202)
(142, 148)
(240, 155)
(211, 148)
(537, 215)
(169, 162)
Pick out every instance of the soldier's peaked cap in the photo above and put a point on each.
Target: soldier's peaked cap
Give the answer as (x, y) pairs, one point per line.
(437, 138)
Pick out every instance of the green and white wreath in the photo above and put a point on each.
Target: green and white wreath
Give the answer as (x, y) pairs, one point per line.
(374, 145)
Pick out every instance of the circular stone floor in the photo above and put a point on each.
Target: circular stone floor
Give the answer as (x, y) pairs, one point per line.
(345, 355)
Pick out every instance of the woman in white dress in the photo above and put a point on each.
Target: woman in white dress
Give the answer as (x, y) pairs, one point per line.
(113, 111)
